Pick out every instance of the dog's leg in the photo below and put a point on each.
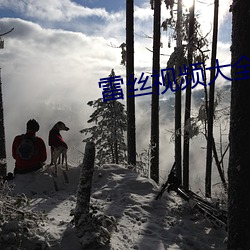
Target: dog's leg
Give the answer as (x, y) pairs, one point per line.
(51, 156)
(63, 157)
(66, 161)
(55, 158)
(59, 159)
(56, 170)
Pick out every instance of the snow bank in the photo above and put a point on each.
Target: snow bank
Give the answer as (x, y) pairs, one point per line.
(141, 221)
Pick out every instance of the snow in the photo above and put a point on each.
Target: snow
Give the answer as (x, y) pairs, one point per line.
(141, 221)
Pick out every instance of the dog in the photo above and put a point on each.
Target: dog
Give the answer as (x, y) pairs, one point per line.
(57, 152)
(58, 146)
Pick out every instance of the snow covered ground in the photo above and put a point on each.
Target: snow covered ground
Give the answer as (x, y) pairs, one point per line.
(141, 221)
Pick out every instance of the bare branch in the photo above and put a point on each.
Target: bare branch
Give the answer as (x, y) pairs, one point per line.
(7, 32)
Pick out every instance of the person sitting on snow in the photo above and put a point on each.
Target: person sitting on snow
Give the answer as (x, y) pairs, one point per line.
(29, 150)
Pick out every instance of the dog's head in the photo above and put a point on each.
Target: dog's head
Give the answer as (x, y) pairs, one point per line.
(61, 126)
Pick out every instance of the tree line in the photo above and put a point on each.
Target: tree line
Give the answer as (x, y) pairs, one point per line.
(239, 135)
(192, 48)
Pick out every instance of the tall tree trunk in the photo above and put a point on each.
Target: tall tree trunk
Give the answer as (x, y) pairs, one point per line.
(188, 101)
(154, 169)
(83, 192)
(3, 161)
(93, 231)
(210, 139)
(115, 128)
(131, 130)
(218, 164)
(178, 98)
(239, 159)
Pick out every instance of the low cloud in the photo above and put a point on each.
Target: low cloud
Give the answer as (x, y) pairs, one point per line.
(50, 73)
(56, 10)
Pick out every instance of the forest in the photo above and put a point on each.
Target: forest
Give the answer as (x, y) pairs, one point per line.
(193, 74)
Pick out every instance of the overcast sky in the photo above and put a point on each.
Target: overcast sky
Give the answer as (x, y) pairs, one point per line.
(59, 49)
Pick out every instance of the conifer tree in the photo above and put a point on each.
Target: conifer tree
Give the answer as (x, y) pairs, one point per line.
(3, 165)
(189, 45)
(154, 167)
(110, 121)
(131, 127)
(210, 118)
(238, 169)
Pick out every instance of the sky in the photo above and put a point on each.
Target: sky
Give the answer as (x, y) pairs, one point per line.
(58, 51)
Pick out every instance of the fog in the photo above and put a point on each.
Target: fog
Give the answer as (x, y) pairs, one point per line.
(51, 69)
(198, 143)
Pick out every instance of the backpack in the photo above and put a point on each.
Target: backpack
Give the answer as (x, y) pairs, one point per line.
(26, 148)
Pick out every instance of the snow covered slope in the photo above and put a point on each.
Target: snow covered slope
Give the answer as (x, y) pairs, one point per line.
(141, 221)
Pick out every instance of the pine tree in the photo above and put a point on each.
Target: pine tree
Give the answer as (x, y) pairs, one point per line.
(186, 144)
(3, 164)
(190, 45)
(178, 156)
(3, 161)
(210, 119)
(238, 170)
(110, 120)
(154, 168)
(131, 127)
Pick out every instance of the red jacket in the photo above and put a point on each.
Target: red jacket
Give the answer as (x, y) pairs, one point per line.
(55, 139)
(37, 159)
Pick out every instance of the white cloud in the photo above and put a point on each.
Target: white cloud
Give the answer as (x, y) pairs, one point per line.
(56, 57)
(205, 12)
(46, 71)
(143, 13)
(51, 73)
(53, 10)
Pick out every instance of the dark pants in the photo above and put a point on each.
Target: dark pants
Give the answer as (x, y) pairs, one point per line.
(25, 171)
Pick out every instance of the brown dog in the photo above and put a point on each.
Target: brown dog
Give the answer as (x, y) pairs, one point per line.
(58, 146)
